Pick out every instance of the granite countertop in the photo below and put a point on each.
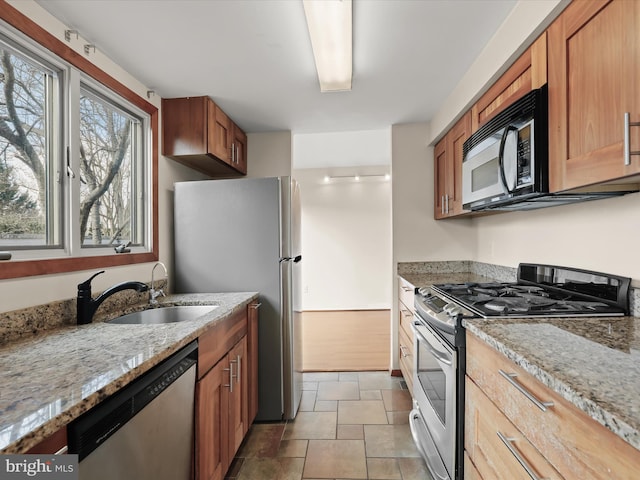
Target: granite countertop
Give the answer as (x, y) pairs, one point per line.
(419, 280)
(50, 379)
(592, 362)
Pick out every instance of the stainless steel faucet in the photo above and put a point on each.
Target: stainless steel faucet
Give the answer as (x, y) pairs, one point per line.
(153, 293)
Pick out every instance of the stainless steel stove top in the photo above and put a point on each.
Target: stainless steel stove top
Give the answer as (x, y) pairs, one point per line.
(540, 291)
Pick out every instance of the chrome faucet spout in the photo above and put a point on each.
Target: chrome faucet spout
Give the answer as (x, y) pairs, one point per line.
(153, 293)
(87, 306)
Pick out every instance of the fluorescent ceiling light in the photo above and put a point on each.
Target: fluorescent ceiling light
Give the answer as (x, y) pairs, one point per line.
(329, 23)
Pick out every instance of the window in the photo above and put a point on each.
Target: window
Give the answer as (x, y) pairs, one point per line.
(111, 173)
(77, 159)
(29, 192)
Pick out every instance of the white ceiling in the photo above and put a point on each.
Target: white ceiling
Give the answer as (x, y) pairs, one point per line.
(253, 57)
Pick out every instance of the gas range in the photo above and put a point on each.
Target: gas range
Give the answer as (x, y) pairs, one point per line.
(540, 291)
(437, 420)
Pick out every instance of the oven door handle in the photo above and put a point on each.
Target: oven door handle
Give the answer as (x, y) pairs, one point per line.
(440, 356)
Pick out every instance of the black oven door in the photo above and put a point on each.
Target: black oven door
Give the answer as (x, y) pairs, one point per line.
(433, 421)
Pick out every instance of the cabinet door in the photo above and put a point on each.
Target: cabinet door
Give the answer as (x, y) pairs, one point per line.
(220, 133)
(448, 156)
(440, 177)
(212, 424)
(238, 399)
(239, 146)
(456, 138)
(252, 361)
(593, 73)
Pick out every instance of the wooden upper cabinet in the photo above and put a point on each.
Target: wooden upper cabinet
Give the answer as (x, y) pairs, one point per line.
(527, 73)
(594, 71)
(448, 158)
(197, 133)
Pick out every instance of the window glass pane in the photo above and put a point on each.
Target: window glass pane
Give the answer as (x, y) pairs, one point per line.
(29, 193)
(110, 166)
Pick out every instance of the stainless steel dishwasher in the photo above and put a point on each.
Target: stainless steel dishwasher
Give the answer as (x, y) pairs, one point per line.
(145, 431)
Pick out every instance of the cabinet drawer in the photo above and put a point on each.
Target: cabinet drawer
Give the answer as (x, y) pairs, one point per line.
(405, 354)
(563, 434)
(496, 447)
(406, 292)
(405, 317)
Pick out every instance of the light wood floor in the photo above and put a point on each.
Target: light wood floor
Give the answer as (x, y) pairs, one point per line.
(346, 340)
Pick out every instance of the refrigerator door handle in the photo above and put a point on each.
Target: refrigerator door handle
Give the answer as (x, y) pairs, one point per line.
(295, 259)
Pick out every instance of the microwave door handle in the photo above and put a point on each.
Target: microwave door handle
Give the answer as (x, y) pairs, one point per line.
(503, 141)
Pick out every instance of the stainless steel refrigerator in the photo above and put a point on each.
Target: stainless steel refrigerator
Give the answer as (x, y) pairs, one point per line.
(244, 235)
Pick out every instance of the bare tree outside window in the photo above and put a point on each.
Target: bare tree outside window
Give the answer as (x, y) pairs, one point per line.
(105, 165)
(23, 152)
(31, 170)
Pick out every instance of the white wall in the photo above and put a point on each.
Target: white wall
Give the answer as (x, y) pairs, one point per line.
(30, 291)
(269, 154)
(342, 149)
(346, 241)
(416, 235)
(346, 225)
(602, 235)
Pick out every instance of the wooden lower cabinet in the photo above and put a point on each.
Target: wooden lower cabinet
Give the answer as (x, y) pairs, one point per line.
(560, 441)
(226, 395)
(212, 405)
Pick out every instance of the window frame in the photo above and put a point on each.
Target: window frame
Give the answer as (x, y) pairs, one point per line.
(33, 267)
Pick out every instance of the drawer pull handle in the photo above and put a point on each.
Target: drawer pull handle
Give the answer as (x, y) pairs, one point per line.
(62, 451)
(407, 313)
(255, 306)
(406, 289)
(404, 350)
(510, 377)
(508, 442)
(627, 140)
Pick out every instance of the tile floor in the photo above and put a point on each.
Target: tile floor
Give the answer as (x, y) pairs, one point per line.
(351, 425)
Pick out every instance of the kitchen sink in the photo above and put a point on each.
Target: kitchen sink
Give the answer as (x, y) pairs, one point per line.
(173, 314)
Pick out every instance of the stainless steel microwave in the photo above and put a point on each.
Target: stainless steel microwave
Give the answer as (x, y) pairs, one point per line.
(506, 160)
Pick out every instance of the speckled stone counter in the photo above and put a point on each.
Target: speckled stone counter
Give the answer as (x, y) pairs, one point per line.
(594, 363)
(422, 274)
(48, 380)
